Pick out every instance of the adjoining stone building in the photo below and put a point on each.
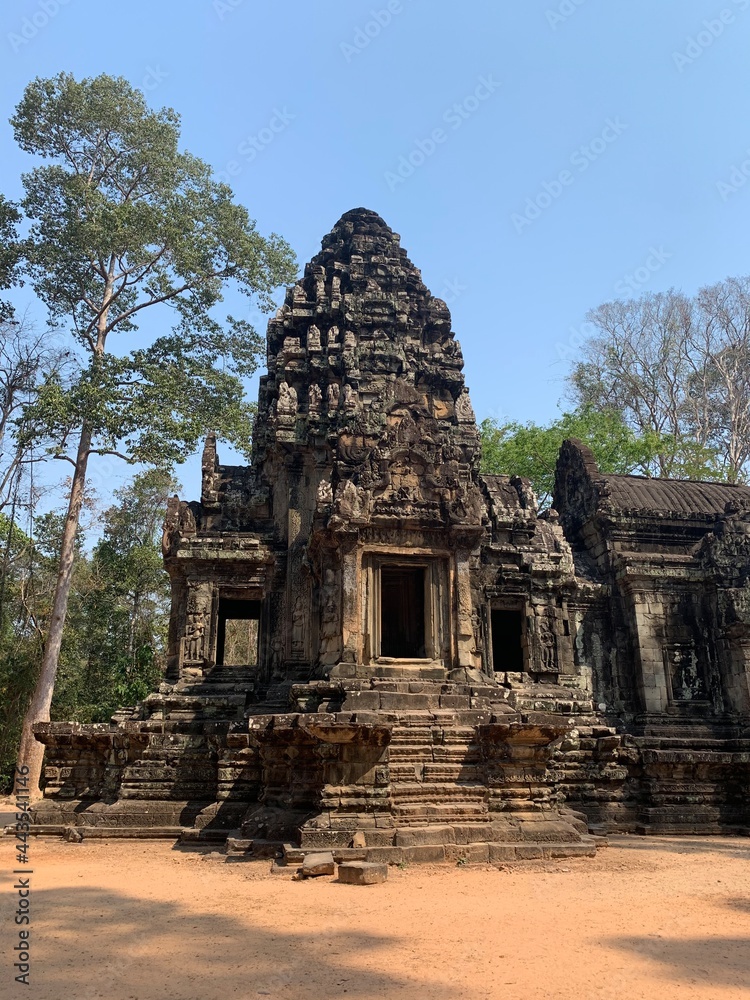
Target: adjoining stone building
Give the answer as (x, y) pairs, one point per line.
(375, 647)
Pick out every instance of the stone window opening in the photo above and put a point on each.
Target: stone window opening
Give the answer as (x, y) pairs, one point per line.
(237, 633)
(402, 612)
(508, 627)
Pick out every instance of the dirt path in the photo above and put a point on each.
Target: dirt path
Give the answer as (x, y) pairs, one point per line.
(649, 918)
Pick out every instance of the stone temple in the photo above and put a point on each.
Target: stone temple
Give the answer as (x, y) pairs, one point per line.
(375, 648)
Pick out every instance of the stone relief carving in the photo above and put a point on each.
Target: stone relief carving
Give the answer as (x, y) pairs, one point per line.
(197, 625)
(464, 409)
(314, 399)
(286, 406)
(313, 339)
(333, 397)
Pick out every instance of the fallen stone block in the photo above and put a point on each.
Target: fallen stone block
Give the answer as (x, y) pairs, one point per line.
(318, 864)
(362, 873)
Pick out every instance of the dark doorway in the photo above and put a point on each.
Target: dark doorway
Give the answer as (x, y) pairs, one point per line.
(507, 641)
(402, 612)
(237, 636)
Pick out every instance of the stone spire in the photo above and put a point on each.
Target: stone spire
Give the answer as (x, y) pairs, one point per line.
(362, 362)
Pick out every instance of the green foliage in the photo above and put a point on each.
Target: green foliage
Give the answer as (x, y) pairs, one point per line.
(113, 650)
(20, 642)
(116, 627)
(122, 220)
(9, 251)
(530, 450)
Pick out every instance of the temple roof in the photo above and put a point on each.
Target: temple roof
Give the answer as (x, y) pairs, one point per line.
(581, 489)
(639, 493)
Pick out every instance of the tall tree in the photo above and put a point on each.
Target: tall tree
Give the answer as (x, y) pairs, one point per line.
(9, 251)
(129, 562)
(122, 221)
(718, 394)
(28, 360)
(657, 361)
(530, 450)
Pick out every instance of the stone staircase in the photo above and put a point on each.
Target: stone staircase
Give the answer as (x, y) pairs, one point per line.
(435, 775)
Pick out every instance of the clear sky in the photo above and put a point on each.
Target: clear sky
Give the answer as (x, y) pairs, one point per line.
(538, 157)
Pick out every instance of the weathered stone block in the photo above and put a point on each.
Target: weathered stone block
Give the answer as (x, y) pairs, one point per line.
(318, 864)
(362, 873)
(547, 831)
(528, 852)
(434, 854)
(501, 852)
(467, 853)
(415, 836)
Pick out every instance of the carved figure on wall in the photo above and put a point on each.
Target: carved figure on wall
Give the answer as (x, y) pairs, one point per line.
(325, 493)
(547, 646)
(314, 399)
(351, 503)
(286, 406)
(330, 604)
(196, 627)
(350, 398)
(464, 409)
(313, 338)
(298, 627)
(333, 397)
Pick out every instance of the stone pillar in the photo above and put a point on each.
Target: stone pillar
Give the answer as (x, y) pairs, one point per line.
(463, 604)
(647, 613)
(350, 602)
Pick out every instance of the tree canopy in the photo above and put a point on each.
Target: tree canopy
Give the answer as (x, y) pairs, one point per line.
(530, 450)
(121, 220)
(678, 367)
(9, 251)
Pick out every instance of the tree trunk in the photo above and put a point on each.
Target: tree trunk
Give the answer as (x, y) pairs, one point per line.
(31, 752)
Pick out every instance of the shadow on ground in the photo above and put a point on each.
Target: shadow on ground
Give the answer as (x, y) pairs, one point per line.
(95, 944)
(716, 961)
(732, 846)
(707, 961)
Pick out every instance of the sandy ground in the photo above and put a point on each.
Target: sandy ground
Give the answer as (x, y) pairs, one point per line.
(648, 918)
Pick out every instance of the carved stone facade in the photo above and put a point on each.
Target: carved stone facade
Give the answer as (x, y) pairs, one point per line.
(441, 670)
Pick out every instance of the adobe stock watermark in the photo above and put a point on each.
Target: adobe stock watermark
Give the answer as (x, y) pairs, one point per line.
(253, 145)
(564, 10)
(629, 285)
(455, 117)
(712, 28)
(222, 8)
(582, 158)
(46, 11)
(365, 34)
(452, 291)
(153, 78)
(738, 178)
(636, 281)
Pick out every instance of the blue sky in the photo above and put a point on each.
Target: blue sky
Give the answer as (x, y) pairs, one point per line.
(538, 157)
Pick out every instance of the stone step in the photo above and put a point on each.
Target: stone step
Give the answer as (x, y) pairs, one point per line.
(410, 755)
(418, 814)
(447, 772)
(480, 853)
(433, 792)
(402, 771)
(244, 849)
(420, 735)
(109, 832)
